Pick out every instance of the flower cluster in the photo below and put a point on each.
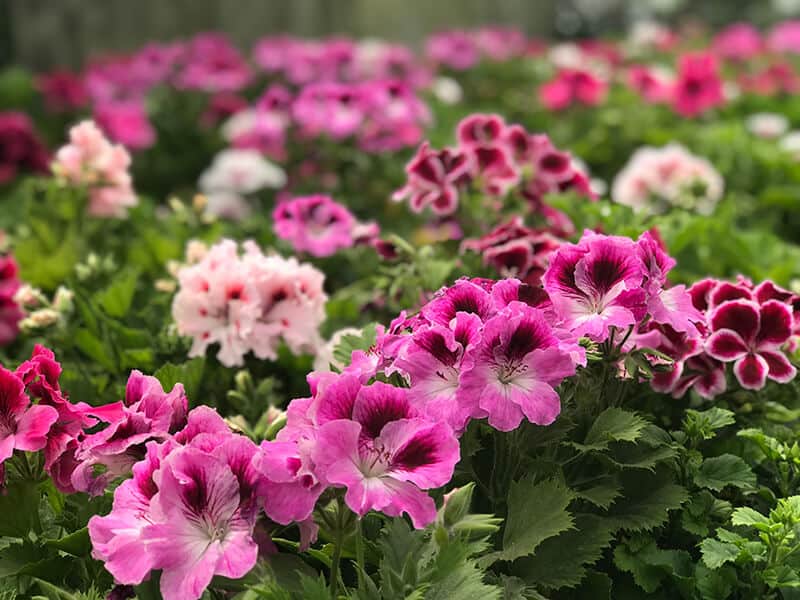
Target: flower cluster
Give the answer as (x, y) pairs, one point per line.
(10, 311)
(319, 225)
(500, 159)
(656, 179)
(573, 86)
(90, 160)
(300, 61)
(191, 508)
(21, 150)
(515, 250)
(462, 50)
(251, 302)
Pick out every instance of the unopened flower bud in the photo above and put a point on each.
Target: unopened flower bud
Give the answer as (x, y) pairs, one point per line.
(165, 285)
(28, 297)
(63, 300)
(195, 251)
(40, 319)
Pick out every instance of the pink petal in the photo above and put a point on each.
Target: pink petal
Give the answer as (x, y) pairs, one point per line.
(751, 371)
(726, 345)
(780, 369)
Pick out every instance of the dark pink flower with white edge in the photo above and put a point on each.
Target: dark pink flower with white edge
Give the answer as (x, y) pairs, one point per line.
(495, 168)
(463, 296)
(22, 426)
(751, 336)
(698, 86)
(479, 129)
(435, 178)
(386, 462)
(703, 374)
(516, 367)
(573, 86)
(596, 285)
(314, 224)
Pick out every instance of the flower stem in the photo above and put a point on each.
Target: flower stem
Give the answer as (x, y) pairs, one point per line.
(360, 554)
(337, 547)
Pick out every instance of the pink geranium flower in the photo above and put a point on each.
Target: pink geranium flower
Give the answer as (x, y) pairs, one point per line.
(517, 365)
(751, 335)
(698, 86)
(740, 41)
(10, 311)
(314, 224)
(22, 426)
(596, 285)
(384, 459)
(127, 123)
(63, 91)
(434, 360)
(573, 86)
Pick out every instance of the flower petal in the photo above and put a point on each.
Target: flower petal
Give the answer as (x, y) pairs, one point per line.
(776, 323)
(726, 345)
(780, 369)
(751, 371)
(740, 316)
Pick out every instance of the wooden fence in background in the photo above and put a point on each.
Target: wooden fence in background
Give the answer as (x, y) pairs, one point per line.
(46, 33)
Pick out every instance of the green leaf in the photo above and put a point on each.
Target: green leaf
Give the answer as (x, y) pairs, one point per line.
(614, 425)
(19, 507)
(344, 349)
(703, 424)
(716, 553)
(744, 515)
(190, 374)
(561, 561)
(76, 543)
(720, 471)
(715, 585)
(117, 297)
(781, 577)
(536, 511)
(94, 348)
(649, 564)
(602, 494)
(646, 503)
(596, 586)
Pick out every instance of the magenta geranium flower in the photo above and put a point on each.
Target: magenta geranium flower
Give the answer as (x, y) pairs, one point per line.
(314, 224)
(22, 426)
(516, 367)
(384, 459)
(200, 531)
(596, 285)
(698, 86)
(434, 361)
(463, 296)
(751, 336)
(434, 179)
(573, 86)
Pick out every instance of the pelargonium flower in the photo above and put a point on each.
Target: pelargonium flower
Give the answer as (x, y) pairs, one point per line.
(314, 224)
(22, 426)
(516, 367)
(596, 285)
(63, 91)
(785, 37)
(149, 413)
(235, 173)
(650, 83)
(91, 160)
(515, 250)
(434, 361)
(126, 122)
(740, 42)
(751, 335)
(434, 179)
(385, 459)
(21, 149)
(698, 86)
(212, 64)
(573, 86)
(456, 50)
(656, 179)
(10, 311)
